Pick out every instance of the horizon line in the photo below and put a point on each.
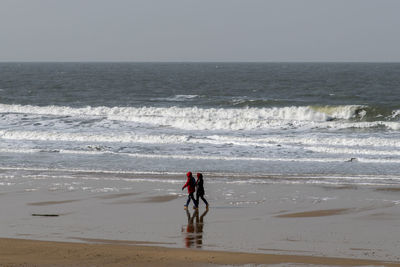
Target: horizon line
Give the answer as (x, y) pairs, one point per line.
(188, 61)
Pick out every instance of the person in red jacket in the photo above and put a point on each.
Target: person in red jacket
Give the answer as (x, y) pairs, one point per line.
(191, 185)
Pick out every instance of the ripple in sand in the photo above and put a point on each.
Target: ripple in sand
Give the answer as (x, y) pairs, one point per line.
(112, 196)
(315, 213)
(154, 199)
(119, 242)
(47, 203)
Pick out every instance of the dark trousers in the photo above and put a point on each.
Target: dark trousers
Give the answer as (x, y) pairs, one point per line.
(202, 197)
(191, 196)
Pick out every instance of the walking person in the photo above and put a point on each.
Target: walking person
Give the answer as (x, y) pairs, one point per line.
(200, 189)
(191, 185)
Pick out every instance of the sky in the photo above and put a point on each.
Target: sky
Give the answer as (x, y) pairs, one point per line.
(200, 30)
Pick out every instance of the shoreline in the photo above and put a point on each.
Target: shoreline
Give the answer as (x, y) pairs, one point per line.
(272, 222)
(25, 252)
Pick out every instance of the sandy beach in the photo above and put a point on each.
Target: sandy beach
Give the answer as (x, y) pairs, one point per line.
(110, 219)
(16, 252)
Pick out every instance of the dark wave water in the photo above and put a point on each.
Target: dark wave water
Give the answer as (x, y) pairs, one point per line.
(268, 118)
(213, 84)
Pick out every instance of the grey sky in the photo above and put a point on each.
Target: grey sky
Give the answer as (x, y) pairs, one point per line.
(199, 30)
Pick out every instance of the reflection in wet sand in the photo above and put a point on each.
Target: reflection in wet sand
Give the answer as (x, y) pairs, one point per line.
(315, 213)
(153, 199)
(199, 228)
(48, 203)
(193, 233)
(119, 195)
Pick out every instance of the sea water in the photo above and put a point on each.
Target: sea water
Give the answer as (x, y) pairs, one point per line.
(335, 123)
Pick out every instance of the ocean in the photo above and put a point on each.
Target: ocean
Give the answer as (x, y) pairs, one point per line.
(324, 123)
(297, 158)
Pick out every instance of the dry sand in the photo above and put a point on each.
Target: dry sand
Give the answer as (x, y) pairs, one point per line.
(18, 252)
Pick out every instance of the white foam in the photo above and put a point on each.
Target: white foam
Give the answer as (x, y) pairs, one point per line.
(194, 118)
(240, 158)
(353, 151)
(302, 140)
(188, 157)
(19, 150)
(395, 113)
(269, 141)
(176, 98)
(360, 125)
(91, 137)
(341, 112)
(181, 97)
(223, 158)
(225, 178)
(89, 171)
(372, 146)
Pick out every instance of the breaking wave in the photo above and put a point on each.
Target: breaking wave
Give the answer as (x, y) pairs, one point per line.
(308, 142)
(195, 118)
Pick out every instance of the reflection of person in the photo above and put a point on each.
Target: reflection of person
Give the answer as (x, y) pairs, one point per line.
(199, 228)
(193, 233)
(189, 231)
(200, 189)
(191, 185)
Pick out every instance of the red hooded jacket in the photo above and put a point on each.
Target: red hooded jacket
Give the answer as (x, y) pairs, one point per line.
(190, 183)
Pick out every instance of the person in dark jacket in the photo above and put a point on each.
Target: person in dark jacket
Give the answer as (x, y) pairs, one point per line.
(191, 185)
(200, 189)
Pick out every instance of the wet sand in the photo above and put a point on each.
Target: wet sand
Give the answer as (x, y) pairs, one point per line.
(18, 252)
(116, 218)
(154, 199)
(391, 189)
(314, 213)
(47, 203)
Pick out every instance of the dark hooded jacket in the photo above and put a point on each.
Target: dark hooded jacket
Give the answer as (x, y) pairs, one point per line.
(200, 185)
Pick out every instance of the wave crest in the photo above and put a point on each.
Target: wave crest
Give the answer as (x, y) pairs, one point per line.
(194, 118)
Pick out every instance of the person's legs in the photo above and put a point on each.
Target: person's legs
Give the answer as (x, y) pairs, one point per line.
(194, 200)
(205, 201)
(188, 200)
